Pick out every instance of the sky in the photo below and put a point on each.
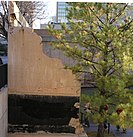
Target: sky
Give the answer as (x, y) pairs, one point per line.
(50, 11)
(50, 7)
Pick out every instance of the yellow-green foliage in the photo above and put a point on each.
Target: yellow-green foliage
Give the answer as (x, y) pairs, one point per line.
(99, 37)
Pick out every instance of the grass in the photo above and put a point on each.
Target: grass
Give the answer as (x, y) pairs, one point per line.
(94, 134)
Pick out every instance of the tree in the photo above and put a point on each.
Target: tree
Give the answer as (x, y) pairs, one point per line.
(99, 37)
(32, 10)
(4, 19)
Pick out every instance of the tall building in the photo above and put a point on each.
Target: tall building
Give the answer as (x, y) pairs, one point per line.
(61, 12)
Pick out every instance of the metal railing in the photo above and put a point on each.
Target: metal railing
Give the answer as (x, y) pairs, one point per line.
(3, 75)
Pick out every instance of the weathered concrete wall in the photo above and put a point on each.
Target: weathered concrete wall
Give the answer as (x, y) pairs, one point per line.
(50, 51)
(3, 112)
(30, 71)
(47, 38)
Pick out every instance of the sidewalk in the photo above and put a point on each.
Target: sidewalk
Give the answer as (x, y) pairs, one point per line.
(45, 135)
(129, 132)
(116, 133)
(41, 135)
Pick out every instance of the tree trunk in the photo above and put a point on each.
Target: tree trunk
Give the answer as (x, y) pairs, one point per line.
(101, 130)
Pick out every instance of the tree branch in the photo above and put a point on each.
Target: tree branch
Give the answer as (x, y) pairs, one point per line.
(96, 39)
(96, 70)
(114, 60)
(126, 26)
(118, 15)
(74, 53)
(96, 16)
(92, 45)
(114, 70)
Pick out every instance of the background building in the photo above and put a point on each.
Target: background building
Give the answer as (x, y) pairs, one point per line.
(61, 16)
(61, 12)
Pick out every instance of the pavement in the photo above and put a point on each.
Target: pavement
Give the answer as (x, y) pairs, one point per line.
(45, 135)
(116, 133)
(93, 127)
(129, 132)
(41, 135)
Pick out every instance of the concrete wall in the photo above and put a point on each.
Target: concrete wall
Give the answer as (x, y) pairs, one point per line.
(50, 50)
(55, 53)
(32, 72)
(3, 112)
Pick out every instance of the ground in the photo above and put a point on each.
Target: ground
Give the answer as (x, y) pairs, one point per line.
(41, 135)
(47, 135)
(94, 134)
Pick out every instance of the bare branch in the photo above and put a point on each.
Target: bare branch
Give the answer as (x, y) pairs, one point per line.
(4, 20)
(32, 10)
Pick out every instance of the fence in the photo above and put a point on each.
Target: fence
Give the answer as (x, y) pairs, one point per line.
(3, 75)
